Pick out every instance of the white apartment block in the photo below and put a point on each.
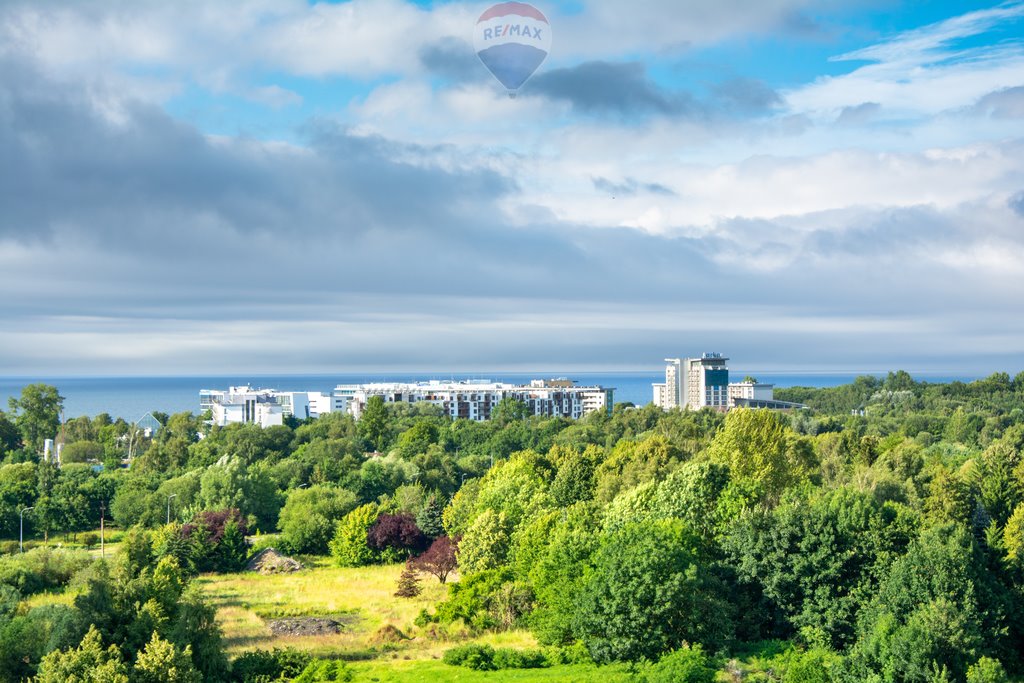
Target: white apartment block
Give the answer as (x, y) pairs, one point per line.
(475, 399)
(265, 407)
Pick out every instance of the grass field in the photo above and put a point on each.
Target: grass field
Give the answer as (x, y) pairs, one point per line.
(431, 671)
(363, 599)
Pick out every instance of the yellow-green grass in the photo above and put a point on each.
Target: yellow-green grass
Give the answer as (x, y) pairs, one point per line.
(362, 598)
(398, 671)
(66, 597)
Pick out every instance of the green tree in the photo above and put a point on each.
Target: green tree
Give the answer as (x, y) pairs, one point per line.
(509, 410)
(1013, 537)
(950, 498)
(309, 516)
(517, 487)
(486, 544)
(987, 670)
(430, 518)
(939, 608)
(999, 489)
(82, 451)
(349, 546)
(88, 663)
(762, 452)
(162, 662)
(231, 484)
(647, 595)
(374, 423)
(691, 493)
(963, 427)
(10, 436)
(575, 481)
(635, 462)
(553, 552)
(417, 439)
(820, 561)
(37, 414)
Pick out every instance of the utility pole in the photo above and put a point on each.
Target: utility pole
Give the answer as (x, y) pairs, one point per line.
(21, 529)
(173, 495)
(103, 509)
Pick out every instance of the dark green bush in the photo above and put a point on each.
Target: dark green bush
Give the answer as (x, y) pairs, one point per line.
(686, 665)
(262, 666)
(507, 658)
(486, 658)
(325, 671)
(476, 657)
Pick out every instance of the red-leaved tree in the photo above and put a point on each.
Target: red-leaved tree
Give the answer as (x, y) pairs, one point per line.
(396, 532)
(439, 559)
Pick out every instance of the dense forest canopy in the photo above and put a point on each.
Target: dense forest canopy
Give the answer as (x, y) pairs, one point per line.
(876, 536)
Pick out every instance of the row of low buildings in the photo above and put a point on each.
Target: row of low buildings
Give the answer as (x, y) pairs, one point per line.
(695, 383)
(690, 384)
(471, 400)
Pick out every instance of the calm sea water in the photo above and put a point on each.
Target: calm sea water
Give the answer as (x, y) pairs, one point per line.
(132, 397)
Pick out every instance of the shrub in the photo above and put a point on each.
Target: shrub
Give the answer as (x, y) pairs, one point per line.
(260, 665)
(577, 653)
(472, 598)
(686, 665)
(486, 658)
(473, 656)
(325, 670)
(507, 658)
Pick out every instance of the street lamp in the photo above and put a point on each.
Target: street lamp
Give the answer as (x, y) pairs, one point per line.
(21, 529)
(173, 495)
(103, 511)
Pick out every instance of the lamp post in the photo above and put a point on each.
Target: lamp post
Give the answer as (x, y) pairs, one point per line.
(21, 529)
(103, 510)
(173, 495)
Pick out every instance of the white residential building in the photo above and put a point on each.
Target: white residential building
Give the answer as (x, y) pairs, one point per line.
(475, 399)
(265, 407)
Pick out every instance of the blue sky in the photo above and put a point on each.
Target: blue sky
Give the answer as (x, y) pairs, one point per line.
(292, 186)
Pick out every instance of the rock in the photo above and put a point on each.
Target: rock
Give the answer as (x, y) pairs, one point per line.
(270, 561)
(305, 626)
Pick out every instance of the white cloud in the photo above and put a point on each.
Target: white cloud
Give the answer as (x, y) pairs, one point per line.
(922, 72)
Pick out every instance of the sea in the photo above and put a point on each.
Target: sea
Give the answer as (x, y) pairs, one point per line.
(132, 397)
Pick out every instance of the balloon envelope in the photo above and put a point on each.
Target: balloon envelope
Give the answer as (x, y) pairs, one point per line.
(512, 39)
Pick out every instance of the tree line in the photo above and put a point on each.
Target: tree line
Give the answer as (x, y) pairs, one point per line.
(878, 536)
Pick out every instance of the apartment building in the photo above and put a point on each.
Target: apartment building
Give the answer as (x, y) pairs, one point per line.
(476, 399)
(265, 407)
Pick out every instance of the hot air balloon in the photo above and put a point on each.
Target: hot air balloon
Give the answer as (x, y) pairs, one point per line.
(512, 39)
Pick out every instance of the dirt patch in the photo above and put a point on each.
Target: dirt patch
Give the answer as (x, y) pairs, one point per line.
(387, 635)
(270, 561)
(305, 626)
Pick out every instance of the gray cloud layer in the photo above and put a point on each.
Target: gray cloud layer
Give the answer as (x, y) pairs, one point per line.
(129, 242)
